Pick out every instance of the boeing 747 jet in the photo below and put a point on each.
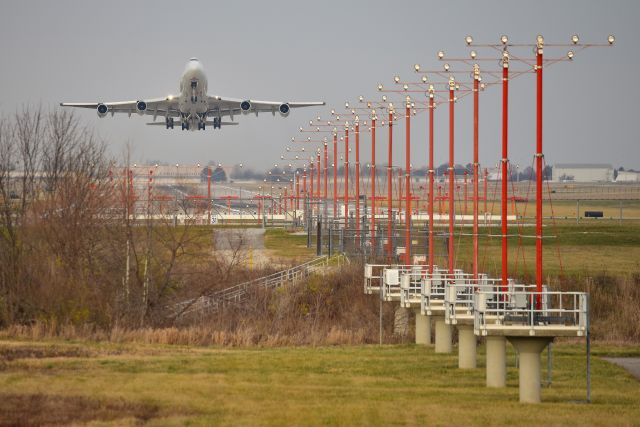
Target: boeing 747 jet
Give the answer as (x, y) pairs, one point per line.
(193, 109)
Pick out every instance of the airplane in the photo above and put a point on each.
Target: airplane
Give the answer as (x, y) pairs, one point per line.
(193, 108)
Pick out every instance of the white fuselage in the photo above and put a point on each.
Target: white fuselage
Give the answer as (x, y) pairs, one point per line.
(193, 91)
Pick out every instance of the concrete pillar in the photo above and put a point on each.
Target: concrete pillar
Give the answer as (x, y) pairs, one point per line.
(466, 347)
(443, 336)
(529, 349)
(423, 328)
(496, 361)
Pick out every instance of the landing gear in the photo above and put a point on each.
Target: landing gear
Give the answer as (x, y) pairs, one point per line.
(185, 125)
(201, 125)
(217, 122)
(169, 122)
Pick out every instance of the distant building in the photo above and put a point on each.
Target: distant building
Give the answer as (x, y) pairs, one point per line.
(628, 176)
(582, 172)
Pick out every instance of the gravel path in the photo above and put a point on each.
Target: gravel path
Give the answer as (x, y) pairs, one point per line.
(631, 364)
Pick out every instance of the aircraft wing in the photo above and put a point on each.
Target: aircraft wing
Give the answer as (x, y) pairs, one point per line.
(231, 106)
(167, 106)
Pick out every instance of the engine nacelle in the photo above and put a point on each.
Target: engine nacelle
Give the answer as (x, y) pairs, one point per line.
(141, 107)
(102, 110)
(284, 110)
(245, 107)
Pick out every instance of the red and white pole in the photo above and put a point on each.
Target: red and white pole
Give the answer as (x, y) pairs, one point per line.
(390, 187)
(452, 172)
(476, 165)
(319, 171)
(539, 170)
(209, 193)
(431, 181)
(346, 174)
(335, 173)
(505, 166)
(373, 183)
(357, 177)
(326, 160)
(297, 190)
(407, 180)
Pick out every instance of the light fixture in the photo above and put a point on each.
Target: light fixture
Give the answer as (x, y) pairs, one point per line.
(575, 39)
(570, 54)
(473, 54)
(380, 86)
(446, 67)
(416, 67)
(396, 79)
(611, 39)
(346, 105)
(504, 39)
(424, 79)
(468, 40)
(440, 54)
(361, 98)
(405, 87)
(384, 98)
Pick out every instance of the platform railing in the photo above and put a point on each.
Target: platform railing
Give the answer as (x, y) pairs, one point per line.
(373, 277)
(563, 313)
(212, 302)
(391, 290)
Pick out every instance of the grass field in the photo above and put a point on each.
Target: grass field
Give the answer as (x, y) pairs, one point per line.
(113, 384)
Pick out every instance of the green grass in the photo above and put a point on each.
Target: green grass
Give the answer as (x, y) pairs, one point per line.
(286, 244)
(588, 248)
(366, 385)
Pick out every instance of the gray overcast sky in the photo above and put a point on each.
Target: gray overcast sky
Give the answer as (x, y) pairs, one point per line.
(57, 51)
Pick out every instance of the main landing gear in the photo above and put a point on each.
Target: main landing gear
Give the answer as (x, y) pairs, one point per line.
(169, 122)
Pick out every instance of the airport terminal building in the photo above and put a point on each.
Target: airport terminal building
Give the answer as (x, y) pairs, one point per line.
(582, 172)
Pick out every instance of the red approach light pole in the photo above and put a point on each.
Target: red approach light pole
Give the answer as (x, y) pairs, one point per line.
(304, 183)
(373, 182)
(297, 190)
(335, 173)
(285, 202)
(431, 180)
(209, 193)
(311, 174)
(389, 186)
(346, 174)
(326, 159)
(319, 170)
(452, 213)
(357, 177)
(399, 193)
(539, 171)
(505, 165)
(407, 179)
(476, 165)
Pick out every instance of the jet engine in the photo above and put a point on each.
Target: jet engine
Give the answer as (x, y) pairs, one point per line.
(284, 110)
(141, 106)
(102, 110)
(245, 106)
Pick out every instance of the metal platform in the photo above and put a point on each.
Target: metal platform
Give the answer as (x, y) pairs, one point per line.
(557, 314)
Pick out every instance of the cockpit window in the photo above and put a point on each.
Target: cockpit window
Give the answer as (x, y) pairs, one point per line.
(193, 59)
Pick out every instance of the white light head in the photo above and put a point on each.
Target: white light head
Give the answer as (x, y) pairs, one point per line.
(473, 54)
(611, 39)
(346, 105)
(424, 79)
(405, 87)
(361, 98)
(440, 54)
(384, 98)
(575, 39)
(380, 87)
(504, 39)
(468, 40)
(416, 67)
(446, 67)
(396, 79)
(570, 54)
